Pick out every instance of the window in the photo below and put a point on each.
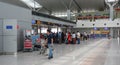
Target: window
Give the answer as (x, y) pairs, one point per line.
(32, 3)
(55, 30)
(44, 30)
(112, 0)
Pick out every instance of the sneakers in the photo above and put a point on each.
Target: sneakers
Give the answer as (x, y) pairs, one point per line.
(50, 57)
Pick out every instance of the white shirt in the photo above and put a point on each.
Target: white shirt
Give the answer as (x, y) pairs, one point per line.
(73, 35)
(78, 35)
(85, 33)
(42, 41)
(67, 35)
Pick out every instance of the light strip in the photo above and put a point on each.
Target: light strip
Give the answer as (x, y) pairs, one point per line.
(63, 15)
(112, 0)
(32, 3)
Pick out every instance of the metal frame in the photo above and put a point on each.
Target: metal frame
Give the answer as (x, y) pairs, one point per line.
(77, 5)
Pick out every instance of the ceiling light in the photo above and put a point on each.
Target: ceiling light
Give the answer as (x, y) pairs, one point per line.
(110, 1)
(32, 3)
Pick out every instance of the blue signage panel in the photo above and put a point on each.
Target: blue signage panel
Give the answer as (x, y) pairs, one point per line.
(9, 27)
(106, 28)
(95, 28)
(33, 21)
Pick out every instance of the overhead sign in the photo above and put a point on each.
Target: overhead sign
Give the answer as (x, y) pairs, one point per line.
(33, 21)
(38, 22)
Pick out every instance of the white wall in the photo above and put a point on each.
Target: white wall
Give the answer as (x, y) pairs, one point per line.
(10, 36)
(98, 23)
(1, 35)
(23, 25)
(8, 11)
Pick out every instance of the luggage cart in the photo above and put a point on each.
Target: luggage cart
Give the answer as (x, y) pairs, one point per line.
(28, 45)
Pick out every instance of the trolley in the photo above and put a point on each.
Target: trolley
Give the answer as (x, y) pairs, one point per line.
(28, 45)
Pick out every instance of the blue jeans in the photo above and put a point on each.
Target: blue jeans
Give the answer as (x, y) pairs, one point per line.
(78, 39)
(50, 50)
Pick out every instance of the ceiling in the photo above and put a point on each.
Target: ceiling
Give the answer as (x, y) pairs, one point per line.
(63, 5)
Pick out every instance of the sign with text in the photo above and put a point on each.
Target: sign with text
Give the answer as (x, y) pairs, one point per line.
(9, 27)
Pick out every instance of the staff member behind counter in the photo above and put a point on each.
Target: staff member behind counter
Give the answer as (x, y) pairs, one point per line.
(50, 44)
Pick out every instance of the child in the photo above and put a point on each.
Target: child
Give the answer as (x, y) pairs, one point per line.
(43, 46)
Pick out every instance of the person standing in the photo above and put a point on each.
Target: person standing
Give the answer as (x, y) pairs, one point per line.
(78, 37)
(59, 36)
(50, 44)
(66, 38)
(73, 38)
(85, 34)
(69, 38)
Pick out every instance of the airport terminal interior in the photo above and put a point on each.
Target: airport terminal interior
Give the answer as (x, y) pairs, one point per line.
(59, 32)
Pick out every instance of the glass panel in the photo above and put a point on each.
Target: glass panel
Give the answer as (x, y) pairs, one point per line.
(32, 3)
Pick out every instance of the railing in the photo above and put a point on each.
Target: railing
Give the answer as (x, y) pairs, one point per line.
(52, 17)
(99, 15)
(93, 16)
(117, 12)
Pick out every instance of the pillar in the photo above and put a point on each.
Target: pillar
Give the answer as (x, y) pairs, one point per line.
(111, 13)
(111, 7)
(68, 14)
(111, 32)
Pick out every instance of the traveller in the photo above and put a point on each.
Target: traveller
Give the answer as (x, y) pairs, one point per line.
(78, 37)
(85, 34)
(63, 38)
(59, 37)
(66, 38)
(73, 38)
(69, 38)
(50, 44)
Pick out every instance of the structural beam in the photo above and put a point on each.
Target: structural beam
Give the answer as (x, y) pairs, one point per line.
(63, 2)
(77, 5)
(47, 9)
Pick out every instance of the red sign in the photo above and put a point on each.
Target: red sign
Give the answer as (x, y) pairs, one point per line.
(17, 26)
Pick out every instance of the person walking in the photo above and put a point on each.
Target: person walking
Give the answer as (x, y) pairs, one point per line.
(78, 37)
(50, 44)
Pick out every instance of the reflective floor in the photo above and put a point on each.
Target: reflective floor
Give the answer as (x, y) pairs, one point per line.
(91, 52)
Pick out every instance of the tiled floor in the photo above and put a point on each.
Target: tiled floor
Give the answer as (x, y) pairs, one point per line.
(91, 52)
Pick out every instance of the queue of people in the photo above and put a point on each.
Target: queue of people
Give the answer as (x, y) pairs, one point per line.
(75, 38)
(49, 38)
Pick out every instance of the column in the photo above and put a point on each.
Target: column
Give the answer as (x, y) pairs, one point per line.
(111, 32)
(68, 14)
(57, 29)
(111, 7)
(111, 13)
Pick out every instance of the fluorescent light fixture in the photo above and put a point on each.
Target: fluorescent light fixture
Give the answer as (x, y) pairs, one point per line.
(32, 3)
(112, 0)
(61, 15)
(73, 15)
